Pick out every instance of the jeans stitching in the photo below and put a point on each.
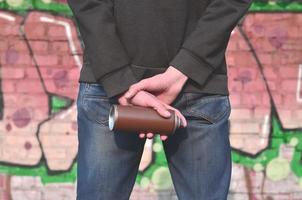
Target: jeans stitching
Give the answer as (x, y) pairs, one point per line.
(84, 105)
(96, 119)
(87, 85)
(207, 98)
(212, 120)
(87, 95)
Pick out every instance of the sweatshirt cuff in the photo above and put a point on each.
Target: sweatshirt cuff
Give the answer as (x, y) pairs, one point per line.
(190, 65)
(118, 82)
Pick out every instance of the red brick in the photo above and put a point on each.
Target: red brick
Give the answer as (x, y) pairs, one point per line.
(9, 29)
(243, 59)
(266, 100)
(265, 58)
(29, 86)
(232, 45)
(232, 72)
(252, 100)
(242, 45)
(261, 112)
(31, 72)
(35, 30)
(241, 113)
(3, 44)
(230, 60)
(68, 61)
(8, 86)
(59, 47)
(289, 85)
(251, 72)
(41, 46)
(290, 100)
(293, 44)
(270, 73)
(294, 31)
(289, 71)
(46, 60)
(285, 113)
(235, 86)
(18, 58)
(12, 73)
(261, 44)
(235, 100)
(254, 86)
(19, 45)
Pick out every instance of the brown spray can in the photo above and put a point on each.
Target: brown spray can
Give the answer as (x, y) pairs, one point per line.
(137, 119)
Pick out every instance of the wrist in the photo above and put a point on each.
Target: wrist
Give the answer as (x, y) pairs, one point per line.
(176, 74)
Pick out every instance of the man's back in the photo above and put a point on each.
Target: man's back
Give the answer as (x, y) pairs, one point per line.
(126, 40)
(154, 49)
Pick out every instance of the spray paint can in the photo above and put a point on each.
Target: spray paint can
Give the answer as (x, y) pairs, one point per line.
(137, 119)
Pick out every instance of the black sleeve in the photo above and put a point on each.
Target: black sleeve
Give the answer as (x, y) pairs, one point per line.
(203, 50)
(106, 54)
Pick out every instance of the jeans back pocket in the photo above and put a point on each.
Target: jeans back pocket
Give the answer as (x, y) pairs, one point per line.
(208, 109)
(95, 103)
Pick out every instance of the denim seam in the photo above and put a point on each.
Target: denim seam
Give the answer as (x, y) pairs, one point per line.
(207, 98)
(84, 91)
(94, 96)
(87, 87)
(86, 96)
(85, 109)
(212, 120)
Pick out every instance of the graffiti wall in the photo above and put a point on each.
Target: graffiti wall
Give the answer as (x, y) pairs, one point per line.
(40, 61)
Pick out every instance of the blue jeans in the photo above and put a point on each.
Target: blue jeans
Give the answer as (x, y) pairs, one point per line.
(199, 156)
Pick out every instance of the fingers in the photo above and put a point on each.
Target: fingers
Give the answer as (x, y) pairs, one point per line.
(135, 88)
(160, 108)
(123, 101)
(150, 135)
(142, 135)
(178, 113)
(163, 137)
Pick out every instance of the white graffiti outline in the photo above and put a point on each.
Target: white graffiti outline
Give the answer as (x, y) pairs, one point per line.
(69, 37)
(298, 92)
(7, 17)
(72, 48)
(265, 131)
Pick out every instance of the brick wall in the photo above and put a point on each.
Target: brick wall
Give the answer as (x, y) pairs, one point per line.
(40, 59)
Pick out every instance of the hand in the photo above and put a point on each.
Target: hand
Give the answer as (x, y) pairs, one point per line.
(165, 86)
(146, 99)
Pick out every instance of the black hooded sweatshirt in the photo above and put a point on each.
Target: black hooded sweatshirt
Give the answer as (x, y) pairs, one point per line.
(128, 40)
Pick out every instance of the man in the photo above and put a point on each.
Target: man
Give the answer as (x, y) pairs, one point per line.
(167, 54)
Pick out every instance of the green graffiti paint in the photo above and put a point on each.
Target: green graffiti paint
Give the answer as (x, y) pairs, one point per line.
(63, 9)
(266, 160)
(15, 3)
(161, 179)
(20, 6)
(258, 167)
(277, 169)
(145, 182)
(294, 141)
(41, 171)
(59, 103)
(273, 7)
(157, 147)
